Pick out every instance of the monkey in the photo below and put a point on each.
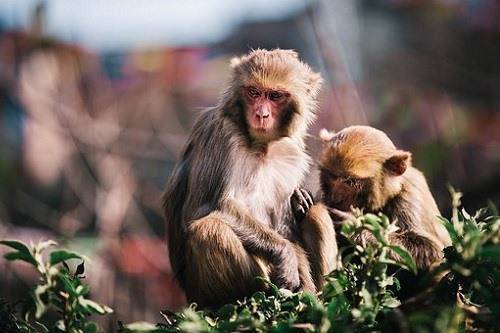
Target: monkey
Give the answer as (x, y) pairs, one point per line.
(361, 167)
(228, 201)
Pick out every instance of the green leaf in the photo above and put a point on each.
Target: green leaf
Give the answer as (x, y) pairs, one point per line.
(141, 326)
(68, 285)
(455, 237)
(227, 311)
(23, 253)
(61, 255)
(40, 247)
(391, 302)
(405, 258)
(492, 208)
(11, 256)
(90, 328)
(94, 306)
(490, 252)
(20, 246)
(41, 307)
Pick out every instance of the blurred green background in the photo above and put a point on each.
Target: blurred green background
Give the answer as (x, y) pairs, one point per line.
(97, 99)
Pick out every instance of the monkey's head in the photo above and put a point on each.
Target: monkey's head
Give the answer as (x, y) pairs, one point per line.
(272, 94)
(360, 167)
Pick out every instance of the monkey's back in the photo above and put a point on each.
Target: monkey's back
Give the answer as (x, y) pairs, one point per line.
(417, 188)
(197, 182)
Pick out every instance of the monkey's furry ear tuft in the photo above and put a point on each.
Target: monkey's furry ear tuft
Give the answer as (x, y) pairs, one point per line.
(398, 163)
(235, 62)
(314, 83)
(291, 53)
(326, 135)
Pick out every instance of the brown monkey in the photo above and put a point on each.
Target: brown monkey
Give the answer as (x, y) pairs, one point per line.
(361, 167)
(227, 203)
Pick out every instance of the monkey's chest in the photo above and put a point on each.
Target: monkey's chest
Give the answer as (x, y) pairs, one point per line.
(264, 184)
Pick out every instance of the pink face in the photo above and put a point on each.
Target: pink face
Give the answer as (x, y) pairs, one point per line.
(263, 108)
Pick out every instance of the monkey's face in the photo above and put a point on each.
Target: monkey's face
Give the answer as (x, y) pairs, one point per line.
(342, 190)
(360, 167)
(274, 93)
(264, 109)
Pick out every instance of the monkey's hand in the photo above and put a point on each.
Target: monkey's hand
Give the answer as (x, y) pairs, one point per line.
(301, 200)
(287, 268)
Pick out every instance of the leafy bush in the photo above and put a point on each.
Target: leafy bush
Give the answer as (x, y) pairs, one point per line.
(361, 295)
(59, 293)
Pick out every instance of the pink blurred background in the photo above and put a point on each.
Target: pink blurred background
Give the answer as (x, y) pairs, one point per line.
(97, 99)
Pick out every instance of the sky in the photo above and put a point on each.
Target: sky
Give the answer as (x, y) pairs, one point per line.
(112, 24)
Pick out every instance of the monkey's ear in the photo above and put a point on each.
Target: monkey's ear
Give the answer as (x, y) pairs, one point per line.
(292, 53)
(314, 83)
(398, 163)
(235, 62)
(326, 135)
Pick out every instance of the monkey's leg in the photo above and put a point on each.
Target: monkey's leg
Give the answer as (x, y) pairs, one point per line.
(306, 279)
(318, 235)
(218, 268)
(424, 250)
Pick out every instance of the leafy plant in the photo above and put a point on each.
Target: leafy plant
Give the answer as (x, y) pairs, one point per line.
(59, 292)
(355, 296)
(361, 295)
(468, 291)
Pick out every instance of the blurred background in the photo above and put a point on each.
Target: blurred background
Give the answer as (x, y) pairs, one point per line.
(97, 99)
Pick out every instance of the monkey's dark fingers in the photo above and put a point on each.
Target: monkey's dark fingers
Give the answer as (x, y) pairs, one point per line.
(308, 197)
(299, 204)
(302, 199)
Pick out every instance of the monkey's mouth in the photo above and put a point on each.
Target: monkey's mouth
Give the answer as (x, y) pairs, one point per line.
(261, 124)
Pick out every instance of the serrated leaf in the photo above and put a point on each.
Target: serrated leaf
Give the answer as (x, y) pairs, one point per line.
(61, 255)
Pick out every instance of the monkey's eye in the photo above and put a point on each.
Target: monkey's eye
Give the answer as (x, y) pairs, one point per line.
(275, 96)
(253, 92)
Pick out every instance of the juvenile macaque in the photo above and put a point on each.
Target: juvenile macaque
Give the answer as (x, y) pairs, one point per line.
(361, 167)
(228, 203)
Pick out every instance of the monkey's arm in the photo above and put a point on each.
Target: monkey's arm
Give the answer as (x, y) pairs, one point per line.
(411, 235)
(259, 239)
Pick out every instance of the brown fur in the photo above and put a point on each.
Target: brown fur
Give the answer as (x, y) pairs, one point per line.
(227, 202)
(361, 167)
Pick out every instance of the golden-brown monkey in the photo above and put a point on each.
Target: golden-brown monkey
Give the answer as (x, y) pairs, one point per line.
(361, 167)
(228, 201)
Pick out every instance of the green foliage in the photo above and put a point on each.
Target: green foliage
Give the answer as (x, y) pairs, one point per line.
(59, 293)
(360, 296)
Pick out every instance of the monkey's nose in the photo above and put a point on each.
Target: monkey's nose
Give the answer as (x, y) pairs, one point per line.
(262, 114)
